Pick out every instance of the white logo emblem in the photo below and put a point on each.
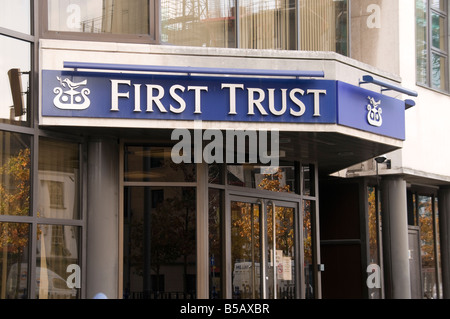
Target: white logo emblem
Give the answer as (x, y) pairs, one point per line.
(71, 99)
(374, 115)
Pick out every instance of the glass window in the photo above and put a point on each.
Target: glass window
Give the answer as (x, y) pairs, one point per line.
(15, 15)
(15, 177)
(276, 179)
(216, 215)
(207, 23)
(428, 250)
(154, 164)
(432, 44)
(373, 224)
(14, 81)
(267, 24)
(323, 25)
(308, 243)
(14, 248)
(438, 4)
(59, 179)
(107, 16)
(421, 42)
(215, 174)
(58, 267)
(159, 243)
(438, 30)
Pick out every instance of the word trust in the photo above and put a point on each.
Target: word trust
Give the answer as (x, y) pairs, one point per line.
(256, 98)
(231, 146)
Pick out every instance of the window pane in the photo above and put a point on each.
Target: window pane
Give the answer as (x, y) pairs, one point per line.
(57, 262)
(207, 23)
(308, 243)
(267, 24)
(216, 215)
(275, 179)
(215, 174)
(159, 243)
(15, 15)
(96, 16)
(438, 4)
(438, 31)
(154, 164)
(15, 54)
(438, 69)
(421, 42)
(58, 179)
(323, 25)
(14, 242)
(373, 228)
(427, 240)
(15, 165)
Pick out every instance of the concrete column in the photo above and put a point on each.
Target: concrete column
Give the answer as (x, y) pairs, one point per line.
(395, 238)
(102, 260)
(444, 233)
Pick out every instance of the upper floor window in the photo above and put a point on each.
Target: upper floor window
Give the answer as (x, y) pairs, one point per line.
(432, 44)
(250, 24)
(126, 19)
(257, 24)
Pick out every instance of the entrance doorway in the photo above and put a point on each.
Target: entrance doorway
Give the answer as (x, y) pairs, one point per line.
(265, 241)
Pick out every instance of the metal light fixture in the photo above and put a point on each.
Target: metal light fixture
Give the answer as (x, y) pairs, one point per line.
(15, 81)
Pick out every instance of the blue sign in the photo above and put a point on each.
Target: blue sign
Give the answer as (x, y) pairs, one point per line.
(208, 98)
(370, 111)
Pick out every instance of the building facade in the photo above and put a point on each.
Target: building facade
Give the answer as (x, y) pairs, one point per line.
(229, 149)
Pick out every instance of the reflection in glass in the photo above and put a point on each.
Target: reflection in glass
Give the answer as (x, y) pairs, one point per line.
(276, 179)
(159, 243)
(154, 164)
(204, 23)
(438, 248)
(245, 250)
(438, 30)
(438, 71)
(267, 24)
(308, 249)
(59, 179)
(215, 174)
(99, 16)
(323, 25)
(421, 42)
(15, 184)
(58, 265)
(427, 239)
(14, 246)
(15, 54)
(308, 180)
(373, 226)
(284, 271)
(215, 242)
(438, 4)
(15, 15)
(263, 24)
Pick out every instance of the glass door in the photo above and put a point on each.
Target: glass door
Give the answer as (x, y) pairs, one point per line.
(264, 248)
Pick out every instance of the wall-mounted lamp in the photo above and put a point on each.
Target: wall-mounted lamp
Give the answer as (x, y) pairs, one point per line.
(383, 159)
(386, 86)
(15, 82)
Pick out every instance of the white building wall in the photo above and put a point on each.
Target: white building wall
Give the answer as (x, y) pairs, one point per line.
(426, 151)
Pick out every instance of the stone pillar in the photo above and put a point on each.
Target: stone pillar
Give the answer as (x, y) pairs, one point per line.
(102, 260)
(444, 233)
(395, 238)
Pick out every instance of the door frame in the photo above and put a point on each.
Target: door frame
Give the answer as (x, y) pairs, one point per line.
(264, 198)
